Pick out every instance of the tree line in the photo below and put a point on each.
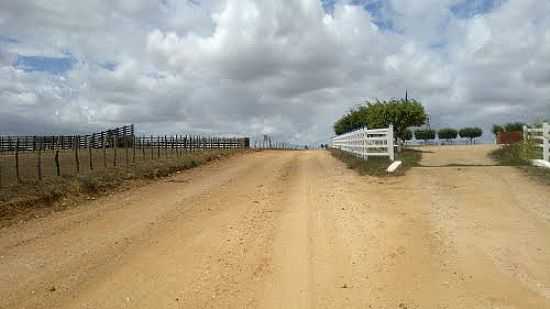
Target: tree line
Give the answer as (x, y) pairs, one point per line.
(402, 114)
(447, 134)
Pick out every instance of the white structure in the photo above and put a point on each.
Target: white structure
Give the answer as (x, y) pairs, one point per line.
(366, 143)
(541, 136)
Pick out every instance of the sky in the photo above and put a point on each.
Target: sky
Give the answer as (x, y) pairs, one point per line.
(284, 68)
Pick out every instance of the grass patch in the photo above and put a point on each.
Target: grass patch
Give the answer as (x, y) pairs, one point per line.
(519, 155)
(514, 155)
(376, 166)
(34, 198)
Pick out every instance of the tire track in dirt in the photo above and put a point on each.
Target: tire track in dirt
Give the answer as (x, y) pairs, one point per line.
(90, 242)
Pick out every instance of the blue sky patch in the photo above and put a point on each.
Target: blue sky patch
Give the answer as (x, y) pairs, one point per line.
(52, 65)
(376, 9)
(470, 8)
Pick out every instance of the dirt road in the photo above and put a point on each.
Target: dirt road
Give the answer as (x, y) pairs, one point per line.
(291, 230)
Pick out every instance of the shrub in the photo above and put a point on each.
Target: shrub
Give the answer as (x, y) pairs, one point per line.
(471, 133)
(497, 129)
(408, 135)
(447, 134)
(514, 127)
(425, 134)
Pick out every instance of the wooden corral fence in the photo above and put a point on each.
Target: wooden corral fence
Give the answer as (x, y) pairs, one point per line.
(366, 143)
(541, 137)
(45, 156)
(96, 140)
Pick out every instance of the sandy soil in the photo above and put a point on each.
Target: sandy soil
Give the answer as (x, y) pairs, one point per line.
(457, 154)
(291, 230)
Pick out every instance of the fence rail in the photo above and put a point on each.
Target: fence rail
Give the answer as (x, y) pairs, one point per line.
(95, 140)
(366, 143)
(46, 156)
(541, 137)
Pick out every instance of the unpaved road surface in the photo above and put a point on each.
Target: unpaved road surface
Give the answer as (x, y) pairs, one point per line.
(457, 155)
(291, 230)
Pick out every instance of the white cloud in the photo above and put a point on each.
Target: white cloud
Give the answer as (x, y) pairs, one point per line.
(255, 67)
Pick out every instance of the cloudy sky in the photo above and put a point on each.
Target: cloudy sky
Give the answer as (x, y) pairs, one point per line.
(251, 67)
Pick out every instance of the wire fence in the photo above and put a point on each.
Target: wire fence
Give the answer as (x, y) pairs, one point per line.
(47, 156)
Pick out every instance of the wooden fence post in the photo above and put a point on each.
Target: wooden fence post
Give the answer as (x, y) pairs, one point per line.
(39, 163)
(56, 157)
(17, 173)
(104, 146)
(90, 141)
(77, 160)
(165, 147)
(114, 150)
(177, 145)
(152, 148)
(158, 147)
(133, 149)
(142, 139)
(127, 146)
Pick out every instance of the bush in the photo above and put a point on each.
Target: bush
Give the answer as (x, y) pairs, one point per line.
(515, 154)
(425, 134)
(514, 127)
(471, 133)
(497, 129)
(508, 127)
(447, 134)
(408, 135)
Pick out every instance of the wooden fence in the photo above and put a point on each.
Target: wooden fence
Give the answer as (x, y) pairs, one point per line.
(541, 137)
(96, 140)
(56, 156)
(366, 143)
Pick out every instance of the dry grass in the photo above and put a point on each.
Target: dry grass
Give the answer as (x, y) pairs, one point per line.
(32, 198)
(376, 166)
(519, 155)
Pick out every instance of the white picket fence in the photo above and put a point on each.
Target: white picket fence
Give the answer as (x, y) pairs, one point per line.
(366, 143)
(541, 136)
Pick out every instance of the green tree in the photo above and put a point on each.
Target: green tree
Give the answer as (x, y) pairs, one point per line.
(424, 134)
(380, 114)
(471, 133)
(447, 134)
(497, 129)
(401, 114)
(409, 135)
(354, 119)
(514, 127)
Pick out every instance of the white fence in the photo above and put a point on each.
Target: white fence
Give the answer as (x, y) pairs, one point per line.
(366, 143)
(541, 137)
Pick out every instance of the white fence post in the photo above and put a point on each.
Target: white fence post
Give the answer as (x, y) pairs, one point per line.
(546, 142)
(365, 143)
(391, 147)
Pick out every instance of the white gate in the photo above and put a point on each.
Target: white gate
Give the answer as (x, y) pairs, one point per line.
(366, 143)
(541, 136)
